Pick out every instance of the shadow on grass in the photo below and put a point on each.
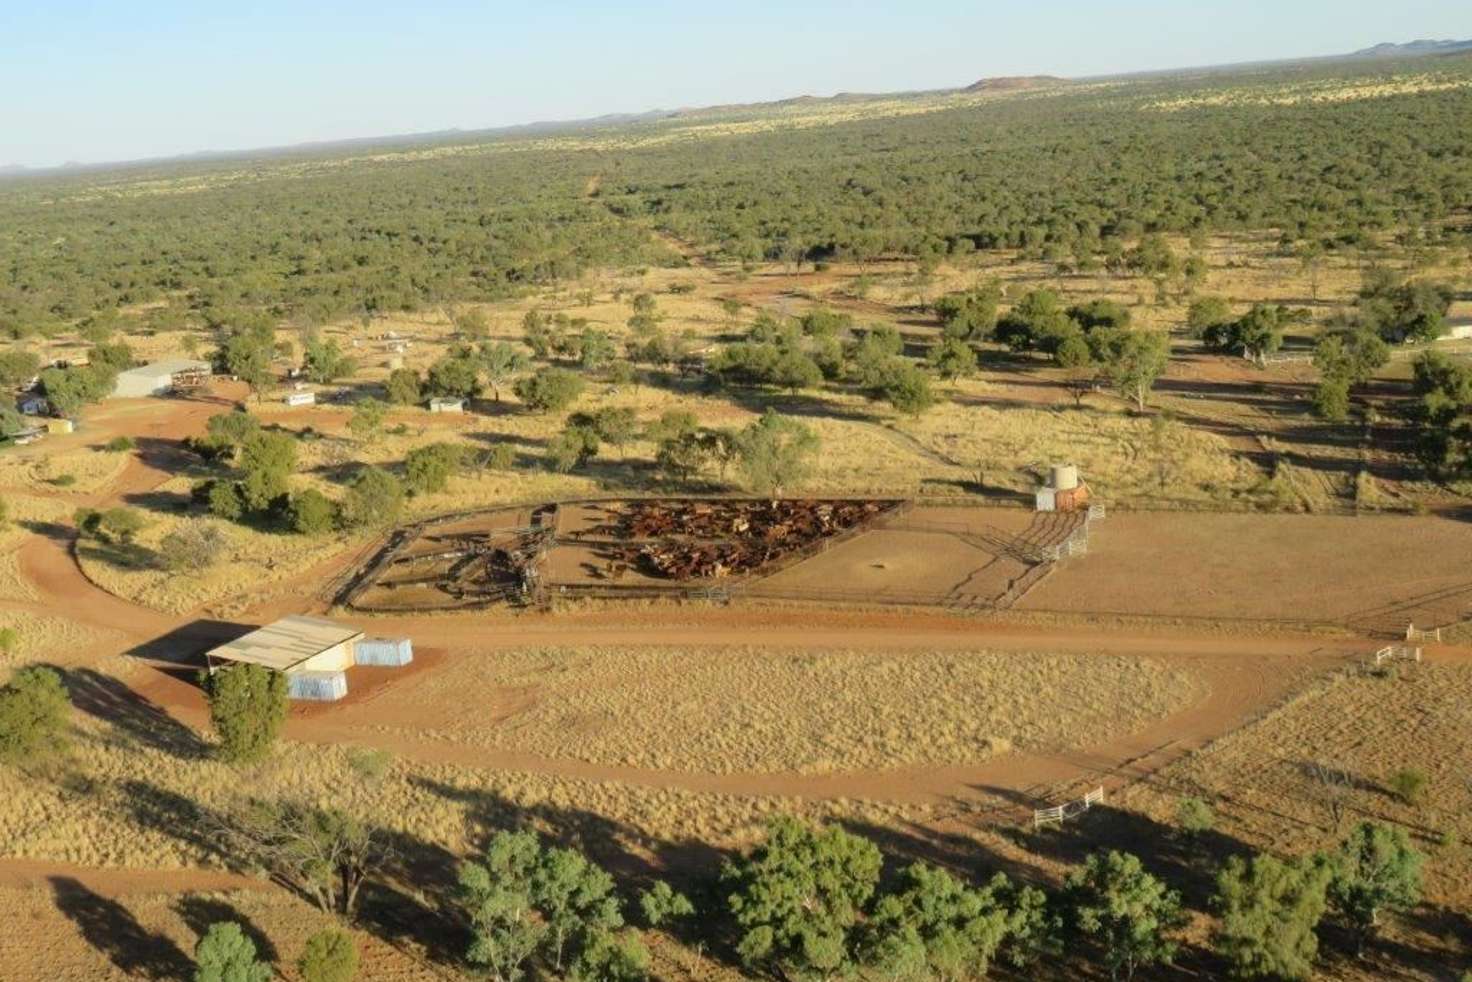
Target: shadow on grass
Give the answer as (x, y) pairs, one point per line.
(112, 930)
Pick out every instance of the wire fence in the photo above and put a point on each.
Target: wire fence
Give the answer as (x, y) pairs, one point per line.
(1058, 814)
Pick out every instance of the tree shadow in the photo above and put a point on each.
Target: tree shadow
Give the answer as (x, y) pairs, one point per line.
(171, 814)
(199, 912)
(133, 715)
(111, 929)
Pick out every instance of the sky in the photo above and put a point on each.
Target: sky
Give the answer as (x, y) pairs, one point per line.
(129, 79)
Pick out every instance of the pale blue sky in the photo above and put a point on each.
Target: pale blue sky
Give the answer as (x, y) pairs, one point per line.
(134, 78)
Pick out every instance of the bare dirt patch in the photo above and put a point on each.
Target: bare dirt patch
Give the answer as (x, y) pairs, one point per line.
(1375, 572)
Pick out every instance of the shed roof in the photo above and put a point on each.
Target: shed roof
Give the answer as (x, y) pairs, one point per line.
(169, 366)
(287, 643)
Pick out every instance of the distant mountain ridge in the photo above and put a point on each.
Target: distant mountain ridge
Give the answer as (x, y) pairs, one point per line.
(1001, 83)
(1424, 46)
(1015, 83)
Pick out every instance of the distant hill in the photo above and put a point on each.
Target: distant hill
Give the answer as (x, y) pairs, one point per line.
(1015, 83)
(1411, 48)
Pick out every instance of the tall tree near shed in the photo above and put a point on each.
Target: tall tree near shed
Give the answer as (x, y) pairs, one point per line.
(247, 710)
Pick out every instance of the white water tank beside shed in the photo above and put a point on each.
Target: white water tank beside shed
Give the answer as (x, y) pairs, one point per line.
(390, 652)
(316, 686)
(1065, 477)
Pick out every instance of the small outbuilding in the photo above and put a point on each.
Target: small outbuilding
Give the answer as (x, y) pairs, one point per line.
(446, 404)
(157, 378)
(34, 405)
(60, 426)
(304, 398)
(312, 652)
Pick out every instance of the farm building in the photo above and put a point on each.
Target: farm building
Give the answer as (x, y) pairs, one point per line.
(446, 404)
(313, 653)
(1064, 490)
(156, 378)
(34, 405)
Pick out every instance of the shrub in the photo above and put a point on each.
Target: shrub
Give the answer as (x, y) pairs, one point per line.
(225, 954)
(312, 512)
(34, 711)
(428, 469)
(225, 500)
(549, 390)
(118, 444)
(330, 956)
(194, 545)
(1375, 870)
(9, 640)
(1408, 784)
(368, 763)
(403, 387)
(375, 498)
(661, 904)
(1270, 911)
(247, 710)
(62, 480)
(500, 457)
(1194, 816)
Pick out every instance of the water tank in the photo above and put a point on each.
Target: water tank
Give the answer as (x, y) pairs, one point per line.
(1065, 476)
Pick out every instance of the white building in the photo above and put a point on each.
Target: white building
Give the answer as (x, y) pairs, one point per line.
(312, 652)
(446, 404)
(155, 378)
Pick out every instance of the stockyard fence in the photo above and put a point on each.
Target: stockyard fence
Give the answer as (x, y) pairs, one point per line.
(1396, 652)
(1058, 814)
(1414, 634)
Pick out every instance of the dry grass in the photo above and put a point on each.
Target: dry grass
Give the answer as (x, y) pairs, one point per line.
(811, 712)
(253, 559)
(56, 640)
(1367, 725)
(126, 803)
(89, 470)
(1123, 457)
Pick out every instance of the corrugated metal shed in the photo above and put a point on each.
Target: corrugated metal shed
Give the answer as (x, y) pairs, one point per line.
(154, 378)
(287, 643)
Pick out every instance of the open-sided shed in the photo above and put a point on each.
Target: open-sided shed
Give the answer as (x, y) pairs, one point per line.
(305, 649)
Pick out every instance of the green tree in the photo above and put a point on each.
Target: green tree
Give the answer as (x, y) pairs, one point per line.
(35, 716)
(576, 901)
(500, 362)
(312, 512)
(456, 375)
(549, 390)
(662, 905)
(970, 315)
(906, 387)
(794, 371)
(577, 444)
(1207, 314)
(267, 460)
(225, 954)
(595, 350)
(403, 387)
(373, 500)
(798, 896)
(951, 359)
(933, 920)
(1128, 912)
(1269, 912)
(1134, 360)
(1376, 870)
(428, 469)
(247, 710)
(776, 452)
(329, 956)
(610, 956)
(366, 422)
(497, 893)
(615, 425)
(18, 366)
(324, 361)
(322, 852)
